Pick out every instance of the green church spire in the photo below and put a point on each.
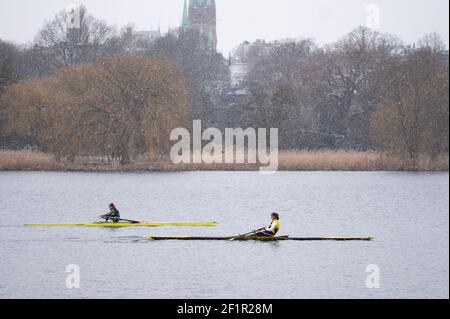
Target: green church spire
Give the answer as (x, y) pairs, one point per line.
(185, 20)
(203, 3)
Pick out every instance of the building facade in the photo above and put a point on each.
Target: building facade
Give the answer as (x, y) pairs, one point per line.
(200, 15)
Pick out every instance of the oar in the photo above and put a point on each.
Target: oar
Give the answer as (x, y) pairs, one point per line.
(124, 220)
(129, 221)
(248, 234)
(102, 217)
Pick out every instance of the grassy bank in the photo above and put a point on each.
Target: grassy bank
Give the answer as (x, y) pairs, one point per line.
(288, 161)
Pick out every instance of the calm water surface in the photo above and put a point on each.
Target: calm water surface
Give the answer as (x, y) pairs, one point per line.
(407, 213)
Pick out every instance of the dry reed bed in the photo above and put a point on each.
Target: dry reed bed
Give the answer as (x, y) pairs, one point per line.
(28, 160)
(357, 161)
(288, 161)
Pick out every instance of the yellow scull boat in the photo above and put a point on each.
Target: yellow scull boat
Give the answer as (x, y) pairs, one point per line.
(129, 224)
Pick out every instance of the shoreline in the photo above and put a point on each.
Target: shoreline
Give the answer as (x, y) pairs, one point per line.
(327, 161)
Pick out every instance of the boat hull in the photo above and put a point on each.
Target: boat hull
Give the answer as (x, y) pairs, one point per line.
(259, 238)
(121, 225)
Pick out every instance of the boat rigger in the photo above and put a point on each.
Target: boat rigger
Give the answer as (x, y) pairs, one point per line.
(130, 224)
(260, 238)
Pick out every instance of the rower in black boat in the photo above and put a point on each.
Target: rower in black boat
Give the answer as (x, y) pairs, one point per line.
(113, 214)
(273, 227)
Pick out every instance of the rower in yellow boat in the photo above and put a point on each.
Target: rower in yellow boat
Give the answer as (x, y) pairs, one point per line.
(113, 214)
(273, 228)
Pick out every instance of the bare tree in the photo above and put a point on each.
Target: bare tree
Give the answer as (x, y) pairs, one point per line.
(59, 45)
(9, 56)
(275, 88)
(353, 65)
(9, 61)
(206, 73)
(432, 41)
(412, 118)
(120, 105)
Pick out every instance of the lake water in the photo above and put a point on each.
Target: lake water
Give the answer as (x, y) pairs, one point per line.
(407, 213)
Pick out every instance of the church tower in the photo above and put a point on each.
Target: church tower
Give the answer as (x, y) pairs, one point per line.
(200, 15)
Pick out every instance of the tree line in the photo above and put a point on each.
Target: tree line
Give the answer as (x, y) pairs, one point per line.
(367, 91)
(93, 91)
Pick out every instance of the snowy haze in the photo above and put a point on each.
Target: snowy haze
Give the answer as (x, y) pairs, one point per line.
(239, 20)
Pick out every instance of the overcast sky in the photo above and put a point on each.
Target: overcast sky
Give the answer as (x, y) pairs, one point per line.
(239, 20)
